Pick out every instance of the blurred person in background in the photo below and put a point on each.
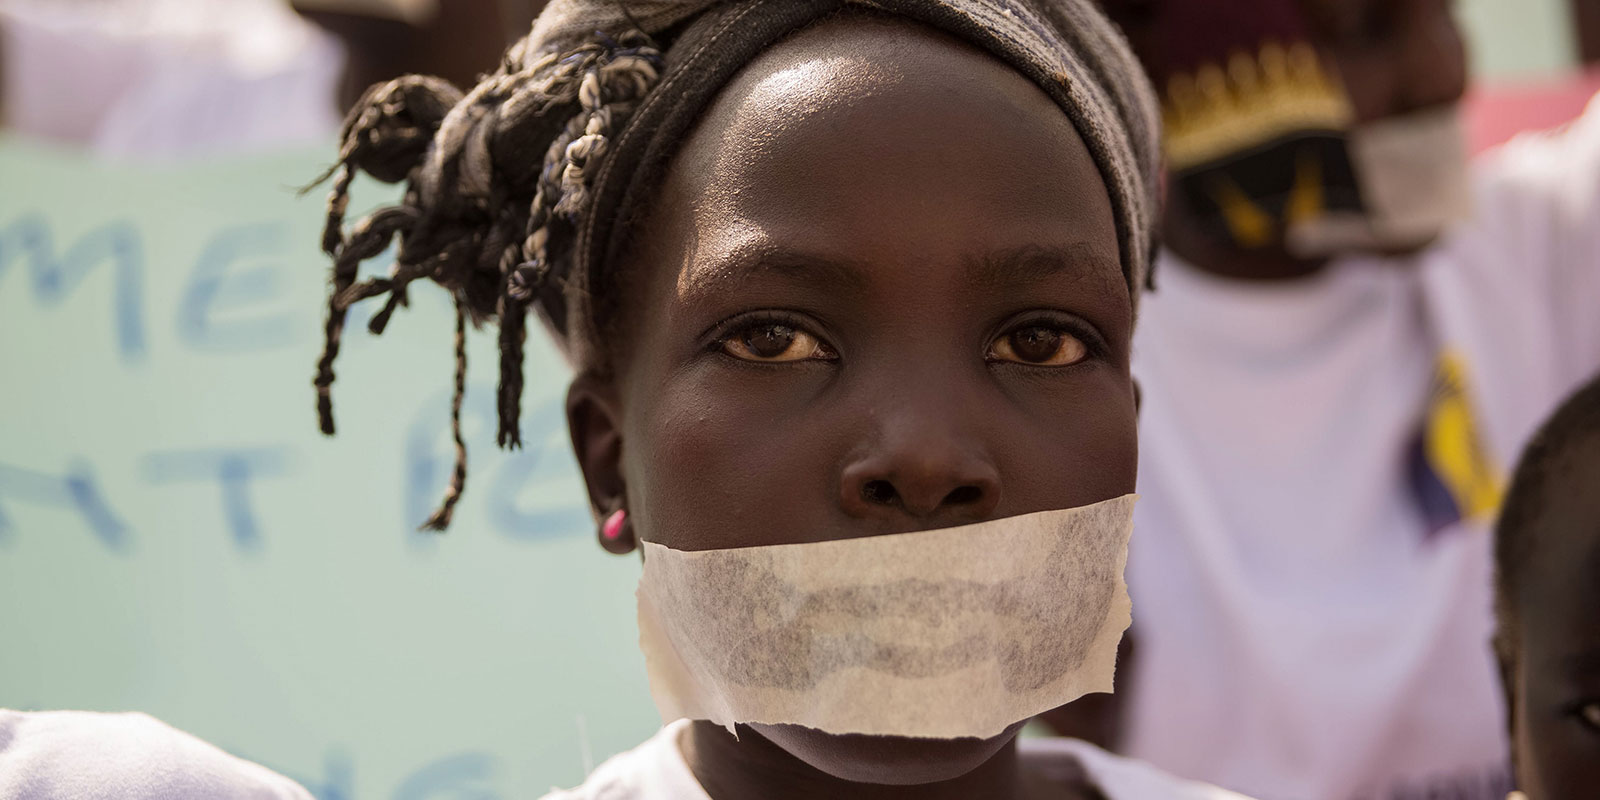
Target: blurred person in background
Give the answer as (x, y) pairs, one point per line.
(458, 40)
(170, 78)
(166, 78)
(1586, 20)
(1353, 335)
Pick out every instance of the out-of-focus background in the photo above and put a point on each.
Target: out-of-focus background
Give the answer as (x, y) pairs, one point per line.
(177, 538)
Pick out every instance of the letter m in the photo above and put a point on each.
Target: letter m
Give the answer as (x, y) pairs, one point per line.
(54, 272)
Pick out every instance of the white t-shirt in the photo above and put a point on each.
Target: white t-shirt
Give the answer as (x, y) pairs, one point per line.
(167, 78)
(1311, 586)
(656, 770)
(79, 755)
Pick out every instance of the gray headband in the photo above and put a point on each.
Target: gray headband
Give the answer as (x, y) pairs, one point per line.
(1065, 46)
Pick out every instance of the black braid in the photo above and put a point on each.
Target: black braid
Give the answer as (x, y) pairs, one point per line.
(458, 478)
(483, 215)
(513, 335)
(338, 203)
(525, 278)
(370, 237)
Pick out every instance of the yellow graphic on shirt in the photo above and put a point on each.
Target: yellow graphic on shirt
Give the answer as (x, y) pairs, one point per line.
(1251, 226)
(1305, 198)
(1453, 445)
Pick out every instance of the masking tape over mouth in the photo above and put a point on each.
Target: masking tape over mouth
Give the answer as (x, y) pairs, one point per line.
(956, 632)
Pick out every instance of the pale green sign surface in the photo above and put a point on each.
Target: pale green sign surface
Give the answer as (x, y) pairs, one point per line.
(1514, 40)
(176, 537)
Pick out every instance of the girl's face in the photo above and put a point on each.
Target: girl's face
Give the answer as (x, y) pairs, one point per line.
(879, 292)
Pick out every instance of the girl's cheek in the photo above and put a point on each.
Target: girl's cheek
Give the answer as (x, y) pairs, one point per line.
(1069, 441)
(727, 461)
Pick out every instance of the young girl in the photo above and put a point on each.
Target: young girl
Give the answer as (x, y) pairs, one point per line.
(828, 272)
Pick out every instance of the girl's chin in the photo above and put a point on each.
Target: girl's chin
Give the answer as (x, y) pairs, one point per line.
(886, 760)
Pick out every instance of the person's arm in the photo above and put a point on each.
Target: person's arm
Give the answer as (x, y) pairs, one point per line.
(1570, 160)
(88, 756)
(1538, 204)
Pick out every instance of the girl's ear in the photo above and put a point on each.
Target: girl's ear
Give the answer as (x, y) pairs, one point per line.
(595, 421)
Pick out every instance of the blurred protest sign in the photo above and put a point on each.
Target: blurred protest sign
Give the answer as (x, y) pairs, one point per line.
(177, 538)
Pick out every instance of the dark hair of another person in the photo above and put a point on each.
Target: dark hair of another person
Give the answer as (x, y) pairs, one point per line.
(1574, 429)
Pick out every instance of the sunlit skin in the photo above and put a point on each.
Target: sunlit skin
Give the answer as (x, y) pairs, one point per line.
(879, 292)
(1554, 681)
(1394, 57)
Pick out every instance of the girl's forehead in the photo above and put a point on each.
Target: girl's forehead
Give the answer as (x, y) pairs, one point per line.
(865, 141)
(854, 60)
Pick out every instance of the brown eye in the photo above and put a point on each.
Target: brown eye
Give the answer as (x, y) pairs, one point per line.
(774, 342)
(1038, 345)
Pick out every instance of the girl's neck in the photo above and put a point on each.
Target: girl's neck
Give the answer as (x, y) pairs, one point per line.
(752, 766)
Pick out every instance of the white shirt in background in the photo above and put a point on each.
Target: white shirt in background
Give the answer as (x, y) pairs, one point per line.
(1308, 628)
(167, 78)
(80, 755)
(656, 770)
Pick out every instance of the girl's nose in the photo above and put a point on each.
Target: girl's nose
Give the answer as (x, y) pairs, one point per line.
(931, 478)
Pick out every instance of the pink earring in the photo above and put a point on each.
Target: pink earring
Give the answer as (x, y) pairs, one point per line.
(611, 529)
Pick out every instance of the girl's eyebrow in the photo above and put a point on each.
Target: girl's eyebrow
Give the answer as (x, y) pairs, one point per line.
(1029, 264)
(1021, 266)
(746, 262)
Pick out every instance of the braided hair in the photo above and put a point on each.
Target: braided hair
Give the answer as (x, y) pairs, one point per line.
(520, 192)
(466, 160)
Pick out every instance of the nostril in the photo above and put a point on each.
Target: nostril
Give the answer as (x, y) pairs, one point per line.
(879, 493)
(963, 496)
